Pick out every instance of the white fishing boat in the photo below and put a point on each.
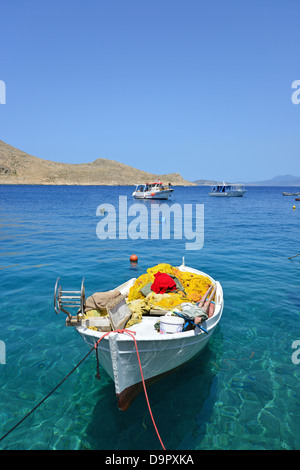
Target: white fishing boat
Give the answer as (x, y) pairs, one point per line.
(161, 351)
(154, 190)
(227, 190)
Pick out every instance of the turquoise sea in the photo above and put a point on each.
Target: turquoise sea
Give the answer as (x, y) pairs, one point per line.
(242, 392)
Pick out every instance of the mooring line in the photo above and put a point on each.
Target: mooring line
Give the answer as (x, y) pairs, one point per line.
(95, 347)
(47, 396)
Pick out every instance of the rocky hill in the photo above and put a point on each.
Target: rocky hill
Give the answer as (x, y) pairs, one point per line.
(206, 182)
(284, 180)
(17, 167)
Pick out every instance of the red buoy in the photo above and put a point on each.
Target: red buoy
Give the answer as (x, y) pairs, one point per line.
(133, 258)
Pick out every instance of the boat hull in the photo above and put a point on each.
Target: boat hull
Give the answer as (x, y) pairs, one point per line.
(291, 194)
(150, 195)
(126, 397)
(117, 355)
(228, 194)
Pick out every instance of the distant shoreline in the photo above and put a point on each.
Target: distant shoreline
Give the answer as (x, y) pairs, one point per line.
(89, 184)
(134, 185)
(20, 168)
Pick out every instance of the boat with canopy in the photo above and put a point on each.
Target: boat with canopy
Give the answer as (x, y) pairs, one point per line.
(154, 190)
(227, 190)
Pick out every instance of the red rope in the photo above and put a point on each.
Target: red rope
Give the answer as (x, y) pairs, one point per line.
(132, 333)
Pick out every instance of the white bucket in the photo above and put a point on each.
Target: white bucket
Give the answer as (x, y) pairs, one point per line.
(171, 324)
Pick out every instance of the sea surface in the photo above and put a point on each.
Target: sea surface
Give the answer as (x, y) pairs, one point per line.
(241, 392)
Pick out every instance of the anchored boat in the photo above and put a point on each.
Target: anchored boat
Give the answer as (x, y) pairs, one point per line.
(227, 190)
(290, 194)
(142, 335)
(152, 191)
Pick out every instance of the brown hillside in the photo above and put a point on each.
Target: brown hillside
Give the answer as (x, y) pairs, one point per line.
(17, 167)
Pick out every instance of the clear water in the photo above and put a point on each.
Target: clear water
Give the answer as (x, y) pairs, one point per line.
(242, 392)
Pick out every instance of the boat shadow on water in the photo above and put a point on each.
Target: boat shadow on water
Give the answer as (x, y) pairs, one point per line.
(181, 404)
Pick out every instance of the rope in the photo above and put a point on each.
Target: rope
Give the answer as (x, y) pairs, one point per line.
(95, 347)
(132, 333)
(144, 386)
(47, 396)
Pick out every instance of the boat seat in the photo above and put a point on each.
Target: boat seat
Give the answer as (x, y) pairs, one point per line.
(158, 312)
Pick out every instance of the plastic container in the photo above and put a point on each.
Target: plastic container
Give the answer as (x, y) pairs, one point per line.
(171, 324)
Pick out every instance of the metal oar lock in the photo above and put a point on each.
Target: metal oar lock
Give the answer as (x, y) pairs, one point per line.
(64, 300)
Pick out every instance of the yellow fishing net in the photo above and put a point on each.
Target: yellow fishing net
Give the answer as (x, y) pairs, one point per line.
(195, 286)
(162, 267)
(139, 307)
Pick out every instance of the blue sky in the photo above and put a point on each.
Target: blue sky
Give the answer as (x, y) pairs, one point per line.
(202, 88)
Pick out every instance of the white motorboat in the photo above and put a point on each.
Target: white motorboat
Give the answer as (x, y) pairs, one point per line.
(159, 354)
(154, 190)
(290, 194)
(227, 190)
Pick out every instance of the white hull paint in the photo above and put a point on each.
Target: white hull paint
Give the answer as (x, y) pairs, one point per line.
(229, 194)
(152, 195)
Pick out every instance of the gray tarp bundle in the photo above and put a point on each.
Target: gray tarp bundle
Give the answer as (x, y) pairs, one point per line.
(191, 311)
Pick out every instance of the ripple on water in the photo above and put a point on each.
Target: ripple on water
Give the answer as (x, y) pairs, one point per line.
(241, 393)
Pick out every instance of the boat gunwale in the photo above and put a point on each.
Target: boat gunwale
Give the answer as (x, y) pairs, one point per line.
(210, 323)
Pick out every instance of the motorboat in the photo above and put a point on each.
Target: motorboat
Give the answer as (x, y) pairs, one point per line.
(290, 194)
(154, 190)
(227, 190)
(135, 353)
